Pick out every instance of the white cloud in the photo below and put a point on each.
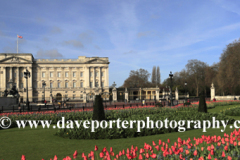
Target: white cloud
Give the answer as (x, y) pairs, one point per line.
(49, 54)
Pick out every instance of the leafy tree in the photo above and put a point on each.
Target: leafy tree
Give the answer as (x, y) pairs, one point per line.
(228, 75)
(158, 76)
(154, 76)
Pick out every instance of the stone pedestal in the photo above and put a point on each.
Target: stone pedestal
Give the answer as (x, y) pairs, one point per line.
(176, 94)
(114, 92)
(212, 92)
(126, 94)
(84, 97)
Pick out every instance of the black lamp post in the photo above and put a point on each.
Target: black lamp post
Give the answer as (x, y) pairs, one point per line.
(185, 85)
(44, 84)
(171, 76)
(27, 75)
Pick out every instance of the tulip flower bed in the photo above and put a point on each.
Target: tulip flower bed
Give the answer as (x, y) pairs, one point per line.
(211, 104)
(204, 147)
(154, 114)
(235, 111)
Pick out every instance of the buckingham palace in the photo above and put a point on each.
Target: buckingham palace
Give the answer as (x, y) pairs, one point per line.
(54, 78)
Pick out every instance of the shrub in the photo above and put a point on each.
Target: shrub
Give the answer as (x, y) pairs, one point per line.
(98, 109)
(158, 105)
(202, 104)
(187, 104)
(157, 114)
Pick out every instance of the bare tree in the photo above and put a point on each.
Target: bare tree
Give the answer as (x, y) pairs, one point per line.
(196, 71)
(138, 78)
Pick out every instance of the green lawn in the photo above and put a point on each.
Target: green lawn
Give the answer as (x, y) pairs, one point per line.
(40, 143)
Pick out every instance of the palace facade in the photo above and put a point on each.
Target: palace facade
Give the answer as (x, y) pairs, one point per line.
(64, 78)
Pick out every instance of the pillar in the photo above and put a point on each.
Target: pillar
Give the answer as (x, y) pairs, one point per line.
(212, 91)
(99, 78)
(4, 77)
(107, 78)
(17, 79)
(93, 77)
(157, 94)
(10, 73)
(87, 78)
(176, 94)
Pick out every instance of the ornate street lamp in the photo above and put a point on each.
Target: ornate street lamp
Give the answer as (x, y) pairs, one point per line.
(44, 84)
(171, 76)
(185, 85)
(27, 75)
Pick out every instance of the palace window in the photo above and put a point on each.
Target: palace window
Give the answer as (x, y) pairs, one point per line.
(66, 84)
(74, 84)
(59, 74)
(74, 96)
(66, 74)
(59, 84)
(51, 85)
(96, 74)
(43, 74)
(51, 74)
(81, 84)
(90, 84)
(74, 74)
(90, 74)
(102, 85)
(96, 84)
(81, 74)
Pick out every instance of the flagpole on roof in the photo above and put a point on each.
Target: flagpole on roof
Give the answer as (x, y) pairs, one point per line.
(17, 43)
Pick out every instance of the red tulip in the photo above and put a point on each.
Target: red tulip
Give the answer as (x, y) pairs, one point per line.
(153, 155)
(123, 152)
(23, 157)
(159, 142)
(223, 154)
(157, 148)
(75, 154)
(209, 156)
(187, 152)
(154, 144)
(229, 158)
(141, 150)
(111, 149)
(83, 155)
(101, 154)
(168, 140)
(96, 148)
(55, 157)
(195, 153)
(226, 148)
(140, 157)
(147, 155)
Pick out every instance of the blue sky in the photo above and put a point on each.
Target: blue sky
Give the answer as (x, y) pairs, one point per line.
(133, 34)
